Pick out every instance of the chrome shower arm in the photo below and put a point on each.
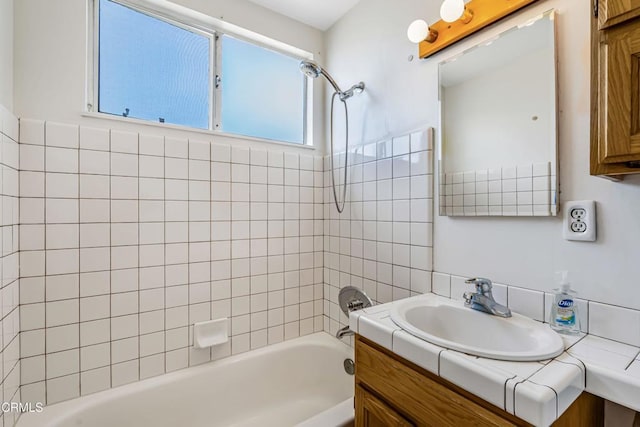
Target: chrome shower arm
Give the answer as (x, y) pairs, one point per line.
(330, 80)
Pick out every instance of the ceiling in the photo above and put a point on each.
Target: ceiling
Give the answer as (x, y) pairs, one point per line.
(320, 14)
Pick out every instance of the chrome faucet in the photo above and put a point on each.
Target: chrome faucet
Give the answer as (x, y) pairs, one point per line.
(344, 332)
(482, 299)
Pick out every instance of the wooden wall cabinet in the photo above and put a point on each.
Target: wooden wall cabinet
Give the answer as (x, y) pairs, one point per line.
(615, 88)
(391, 391)
(612, 12)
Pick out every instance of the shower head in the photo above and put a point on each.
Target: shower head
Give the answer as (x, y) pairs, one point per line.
(313, 70)
(310, 69)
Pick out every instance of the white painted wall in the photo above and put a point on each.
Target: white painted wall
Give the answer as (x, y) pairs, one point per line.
(51, 54)
(370, 44)
(6, 53)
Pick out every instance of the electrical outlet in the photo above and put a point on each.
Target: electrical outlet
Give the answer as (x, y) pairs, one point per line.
(580, 220)
(578, 213)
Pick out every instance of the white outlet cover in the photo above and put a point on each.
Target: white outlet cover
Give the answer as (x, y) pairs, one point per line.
(586, 218)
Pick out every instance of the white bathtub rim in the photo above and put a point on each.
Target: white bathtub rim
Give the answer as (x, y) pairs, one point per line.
(60, 411)
(343, 414)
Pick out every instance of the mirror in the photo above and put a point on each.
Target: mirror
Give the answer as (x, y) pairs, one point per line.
(498, 152)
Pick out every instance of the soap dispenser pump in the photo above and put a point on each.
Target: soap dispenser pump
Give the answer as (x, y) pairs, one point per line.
(564, 311)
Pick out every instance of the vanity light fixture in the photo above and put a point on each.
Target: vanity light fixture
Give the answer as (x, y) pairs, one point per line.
(452, 10)
(459, 20)
(419, 31)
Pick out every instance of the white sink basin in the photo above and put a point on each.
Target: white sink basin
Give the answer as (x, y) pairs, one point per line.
(450, 324)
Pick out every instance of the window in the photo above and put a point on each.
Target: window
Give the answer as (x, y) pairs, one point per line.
(263, 92)
(151, 69)
(156, 69)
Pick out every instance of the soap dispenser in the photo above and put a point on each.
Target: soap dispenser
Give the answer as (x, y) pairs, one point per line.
(564, 311)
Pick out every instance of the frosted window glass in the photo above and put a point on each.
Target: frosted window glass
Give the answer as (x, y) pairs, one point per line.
(263, 92)
(156, 70)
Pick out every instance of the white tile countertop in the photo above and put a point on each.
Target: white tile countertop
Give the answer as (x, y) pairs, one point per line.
(613, 369)
(537, 392)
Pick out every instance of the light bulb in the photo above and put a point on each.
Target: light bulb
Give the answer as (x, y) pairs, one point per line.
(418, 31)
(451, 10)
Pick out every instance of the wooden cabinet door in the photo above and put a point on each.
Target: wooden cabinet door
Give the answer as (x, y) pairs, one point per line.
(612, 12)
(619, 94)
(417, 394)
(373, 412)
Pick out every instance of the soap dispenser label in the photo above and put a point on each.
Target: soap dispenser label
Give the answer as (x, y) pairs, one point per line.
(565, 303)
(565, 314)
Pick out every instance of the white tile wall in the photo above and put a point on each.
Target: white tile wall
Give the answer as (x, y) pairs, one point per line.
(597, 319)
(383, 240)
(617, 323)
(129, 239)
(10, 366)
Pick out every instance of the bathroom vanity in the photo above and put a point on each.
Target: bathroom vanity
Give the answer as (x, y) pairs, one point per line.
(391, 391)
(442, 377)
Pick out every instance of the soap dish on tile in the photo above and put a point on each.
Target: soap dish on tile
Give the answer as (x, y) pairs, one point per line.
(210, 333)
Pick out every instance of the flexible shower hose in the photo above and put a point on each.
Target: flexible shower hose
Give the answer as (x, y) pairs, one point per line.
(340, 205)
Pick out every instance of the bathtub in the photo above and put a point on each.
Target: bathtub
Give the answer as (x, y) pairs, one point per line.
(297, 382)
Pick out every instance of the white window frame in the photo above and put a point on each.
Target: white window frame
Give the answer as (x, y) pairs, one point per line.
(200, 24)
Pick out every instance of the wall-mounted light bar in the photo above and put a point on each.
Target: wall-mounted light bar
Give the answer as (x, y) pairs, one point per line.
(460, 20)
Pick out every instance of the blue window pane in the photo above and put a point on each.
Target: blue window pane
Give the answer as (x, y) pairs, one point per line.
(263, 92)
(150, 69)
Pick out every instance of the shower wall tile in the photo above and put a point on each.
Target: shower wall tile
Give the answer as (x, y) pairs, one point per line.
(10, 370)
(382, 242)
(129, 239)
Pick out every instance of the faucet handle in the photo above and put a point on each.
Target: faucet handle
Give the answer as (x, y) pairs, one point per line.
(468, 298)
(482, 285)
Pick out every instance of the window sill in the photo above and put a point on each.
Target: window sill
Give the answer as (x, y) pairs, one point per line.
(140, 122)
